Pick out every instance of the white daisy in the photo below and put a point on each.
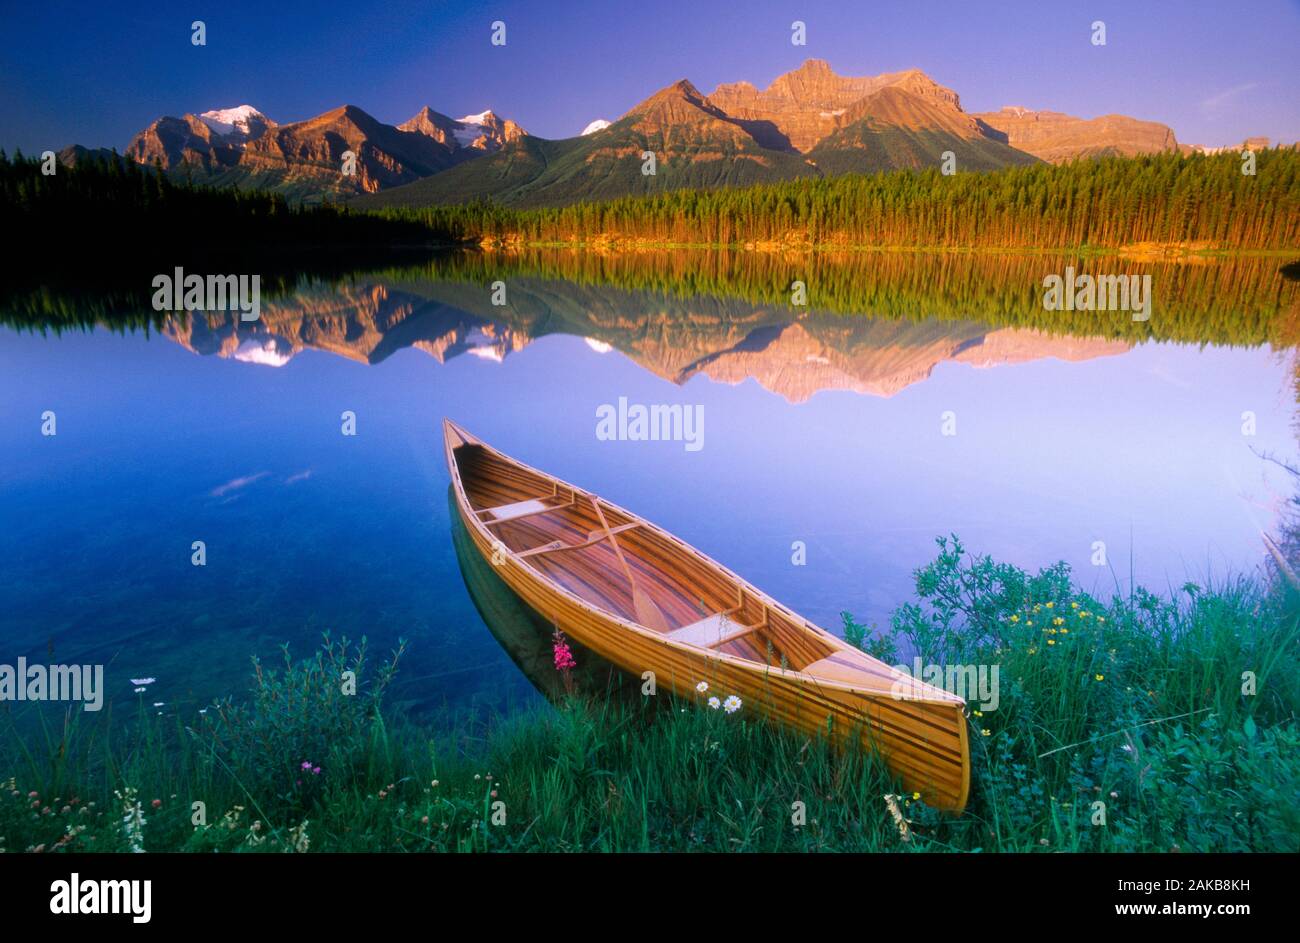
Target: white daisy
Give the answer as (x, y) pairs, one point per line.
(702, 686)
(143, 680)
(714, 703)
(731, 704)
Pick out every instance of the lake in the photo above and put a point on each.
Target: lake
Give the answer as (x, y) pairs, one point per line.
(911, 398)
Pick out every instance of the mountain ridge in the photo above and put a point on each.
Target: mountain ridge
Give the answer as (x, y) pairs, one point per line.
(808, 122)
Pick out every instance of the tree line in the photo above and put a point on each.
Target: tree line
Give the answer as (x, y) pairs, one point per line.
(1107, 203)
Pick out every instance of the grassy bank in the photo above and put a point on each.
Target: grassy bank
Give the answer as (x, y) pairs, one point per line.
(1178, 714)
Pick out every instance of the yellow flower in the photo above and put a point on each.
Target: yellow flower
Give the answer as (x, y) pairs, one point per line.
(986, 732)
(1100, 619)
(1015, 618)
(1051, 641)
(1050, 605)
(1098, 677)
(1074, 605)
(1030, 622)
(1065, 631)
(1058, 621)
(1037, 607)
(916, 795)
(1033, 651)
(979, 713)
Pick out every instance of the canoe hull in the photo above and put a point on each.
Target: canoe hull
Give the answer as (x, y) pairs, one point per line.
(923, 742)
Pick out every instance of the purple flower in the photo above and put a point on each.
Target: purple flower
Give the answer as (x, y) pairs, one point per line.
(315, 771)
(306, 764)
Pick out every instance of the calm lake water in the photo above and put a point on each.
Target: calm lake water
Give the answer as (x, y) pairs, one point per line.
(823, 428)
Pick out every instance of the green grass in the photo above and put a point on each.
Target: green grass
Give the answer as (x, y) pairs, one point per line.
(1136, 702)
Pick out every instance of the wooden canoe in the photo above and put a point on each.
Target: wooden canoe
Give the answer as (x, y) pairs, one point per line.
(646, 601)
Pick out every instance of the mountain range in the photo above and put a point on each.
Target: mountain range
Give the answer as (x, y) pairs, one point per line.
(809, 122)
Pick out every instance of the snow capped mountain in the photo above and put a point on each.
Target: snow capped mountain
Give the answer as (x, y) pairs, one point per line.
(241, 123)
(600, 124)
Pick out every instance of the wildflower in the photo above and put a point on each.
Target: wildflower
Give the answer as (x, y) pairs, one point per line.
(891, 802)
(979, 713)
(424, 820)
(714, 703)
(1051, 641)
(299, 835)
(1058, 621)
(986, 732)
(33, 794)
(477, 777)
(1033, 651)
(157, 803)
(143, 681)
(159, 703)
(1098, 677)
(139, 690)
(493, 794)
(1015, 618)
(315, 770)
(306, 764)
(1050, 605)
(133, 820)
(435, 784)
(702, 686)
(1065, 631)
(1074, 605)
(916, 795)
(564, 659)
(731, 704)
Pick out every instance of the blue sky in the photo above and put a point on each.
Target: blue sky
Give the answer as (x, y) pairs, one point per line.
(96, 73)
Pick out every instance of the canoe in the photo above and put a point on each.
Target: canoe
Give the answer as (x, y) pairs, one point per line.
(646, 601)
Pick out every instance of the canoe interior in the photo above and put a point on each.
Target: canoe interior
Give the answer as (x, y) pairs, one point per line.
(685, 587)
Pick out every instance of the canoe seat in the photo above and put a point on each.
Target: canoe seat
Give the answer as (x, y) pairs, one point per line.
(838, 667)
(711, 631)
(507, 512)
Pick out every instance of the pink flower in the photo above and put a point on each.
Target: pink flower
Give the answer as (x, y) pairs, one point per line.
(315, 770)
(563, 656)
(306, 764)
(157, 803)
